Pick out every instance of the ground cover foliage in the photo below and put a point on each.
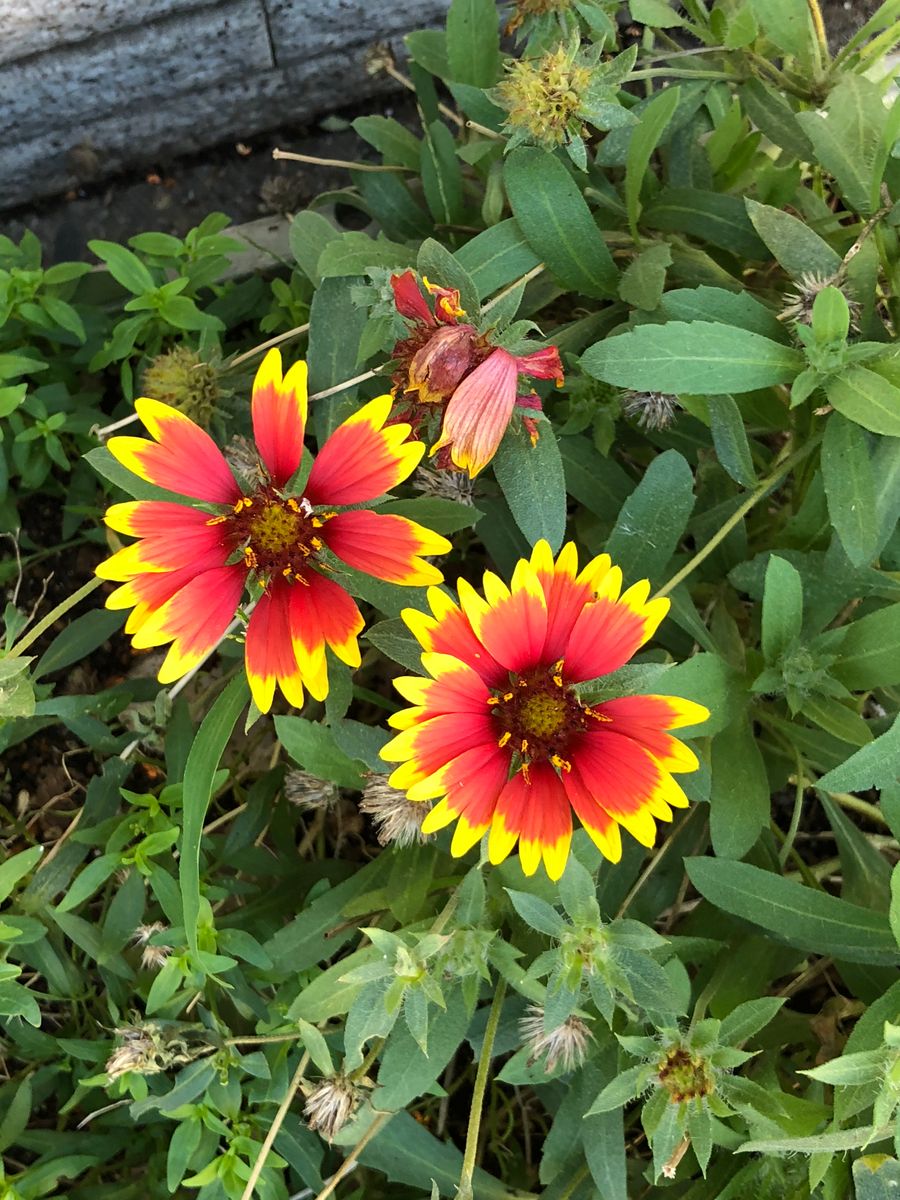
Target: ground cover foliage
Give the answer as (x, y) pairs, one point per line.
(231, 965)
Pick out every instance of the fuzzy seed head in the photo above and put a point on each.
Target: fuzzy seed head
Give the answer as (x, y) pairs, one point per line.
(331, 1104)
(798, 304)
(652, 410)
(397, 819)
(444, 485)
(524, 9)
(153, 957)
(567, 1043)
(542, 96)
(307, 792)
(181, 378)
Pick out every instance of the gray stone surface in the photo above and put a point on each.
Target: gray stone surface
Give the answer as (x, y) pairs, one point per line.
(30, 26)
(173, 76)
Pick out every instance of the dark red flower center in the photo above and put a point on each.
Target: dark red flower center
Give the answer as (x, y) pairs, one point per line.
(276, 535)
(540, 715)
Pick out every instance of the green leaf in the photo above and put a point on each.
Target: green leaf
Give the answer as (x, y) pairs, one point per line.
(866, 874)
(394, 639)
(653, 518)
(537, 913)
(749, 1018)
(787, 23)
(730, 439)
(126, 268)
(848, 139)
(876, 765)
(335, 328)
(82, 636)
(813, 921)
(308, 236)
(598, 483)
(16, 1116)
(473, 42)
(782, 612)
(739, 309)
(850, 488)
(533, 482)
(441, 175)
(445, 269)
(656, 13)
(557, 222)
(794, 245)
(644, 140)
(713, 217)
(404, 1071)
(643, 280)
(443, 516)
(698, 357)
(396, 143)
(313, 747)
(739, 800)
(867, 398)
(876, 1177)
(821, 1143)
(16, 868)
(770, 111)
(199, 773)
(497, 257)
(868, 650)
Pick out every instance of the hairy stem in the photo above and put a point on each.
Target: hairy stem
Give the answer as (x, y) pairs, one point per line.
(464, 1192)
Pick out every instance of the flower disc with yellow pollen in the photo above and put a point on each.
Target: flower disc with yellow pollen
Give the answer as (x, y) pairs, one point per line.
(539, 716)
(275, 535)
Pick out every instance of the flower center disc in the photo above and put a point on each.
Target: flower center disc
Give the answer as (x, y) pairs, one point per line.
(276, 536)
(539, 716)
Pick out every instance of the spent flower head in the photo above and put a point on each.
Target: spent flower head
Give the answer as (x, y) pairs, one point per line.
(154, 954)
(565, 1043)
(651, 410)
(331, 1104)
(308, 792)
(797, 306)
(397, 820)
(181, 378)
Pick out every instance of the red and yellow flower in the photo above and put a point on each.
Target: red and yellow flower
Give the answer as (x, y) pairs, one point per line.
(186, 576)
(446, 366)
(500, 736)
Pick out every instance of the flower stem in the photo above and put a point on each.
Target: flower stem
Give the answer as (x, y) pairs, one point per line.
(275, 341)
(758, 493)
(61, 609)
(274, 1128)
(334, 162)
(464, 1192)
(819, 25)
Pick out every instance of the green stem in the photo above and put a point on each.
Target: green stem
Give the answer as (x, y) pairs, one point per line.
(758, 493)
(63, 607)
(788, 844)
(676, 73)
(464, 1191)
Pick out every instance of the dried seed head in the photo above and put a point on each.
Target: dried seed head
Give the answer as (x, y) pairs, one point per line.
(798, 304)
(542, 96)
(241, 456)
(331, 1104)
(148, 1048)
(684, 1075)
(444, 485)
(567, 1043)
(307, 792)
(153, 957)
(181, 378)
(397, 819)
(652, 410)
(378, 58)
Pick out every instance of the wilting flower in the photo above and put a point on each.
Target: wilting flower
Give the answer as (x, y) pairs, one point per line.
(185, 577)
(331, 1104)
(500, 734)
(480, 409)
(567, 1043)
(447, 366)
(397, 818)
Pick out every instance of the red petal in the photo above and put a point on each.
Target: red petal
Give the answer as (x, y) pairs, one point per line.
(362, 459)
(541, 364)
(279, 416)
(409, 300)
(321, 613)
(270, 653)
(511, 623)
(194, 620)
(183, 459)
(173, 536)
(449, 632)
(645, 720)
(386, 546)
(608, 632)
(534, 809)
